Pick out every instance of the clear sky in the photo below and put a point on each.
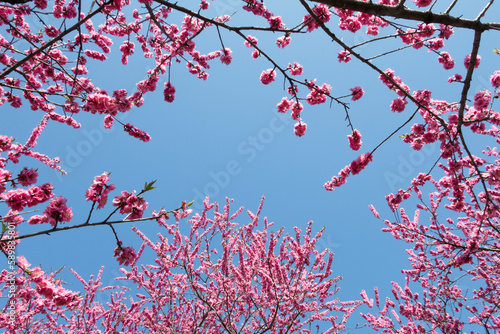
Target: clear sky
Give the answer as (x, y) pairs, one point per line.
(223, 137)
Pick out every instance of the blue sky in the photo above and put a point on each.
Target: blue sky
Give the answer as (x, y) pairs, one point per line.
(223, 137)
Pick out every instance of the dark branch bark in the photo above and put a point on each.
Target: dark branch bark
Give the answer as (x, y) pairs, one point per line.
(403, 12)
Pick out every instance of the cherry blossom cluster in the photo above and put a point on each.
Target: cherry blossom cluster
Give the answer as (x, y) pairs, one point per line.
(99, 190)
(353, 168)
(238, 276)
(130, 204)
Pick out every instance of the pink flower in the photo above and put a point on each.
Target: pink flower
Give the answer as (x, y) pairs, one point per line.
(169, 92)
(495, 79)
(252, 39)
(445, 31)
(300, 128)
(124, 255)
(27, 177)
(467, 61)
(398, 104)
(482, 99)
(355, 140)
(137, 133)
(296, 110)
(422, 3)
(344, 56)
(296, 69)
(357, 93)
(284, 105)
(108, 121)
(130, 204)
(226, 57)
(283, 41)
(57, 211)
(446, 60)
(360, 163)
(267, 76)
(99, 190)
(318, 94)
(455, 77)
(275, 22)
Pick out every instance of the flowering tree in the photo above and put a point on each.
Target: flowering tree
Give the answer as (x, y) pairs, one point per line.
(249, 288)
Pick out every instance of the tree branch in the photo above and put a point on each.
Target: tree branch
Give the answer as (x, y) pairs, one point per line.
(403, 12)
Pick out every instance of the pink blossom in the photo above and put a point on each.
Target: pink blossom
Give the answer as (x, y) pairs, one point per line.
(300, 128)
(296, 69)
(283, 41)
(169, 92)
(323, 14)
(446, 60)
(226, 57)
(137, 133)
(445, 31)
(482, 99)
(344, 56)
(357, 93)
(355, 140)
(204, 4)
(467, 61)
(124, 255)
(455, 77)
(284, 105)
(57, 211)
(399, 104)
(99, 190)
(267, 76)
(360, 163)
(296, 110)
(495, 79)
(27, 177)
(130, 204)
(108, 121)
(318, 94)
(275, 22)
(422, 3)
(252, 39)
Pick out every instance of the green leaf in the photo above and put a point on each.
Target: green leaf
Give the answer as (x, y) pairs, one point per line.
(189, 204)
(149, 186)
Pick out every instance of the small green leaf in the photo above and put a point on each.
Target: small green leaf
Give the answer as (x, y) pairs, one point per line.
(189, 204)
(149, 186)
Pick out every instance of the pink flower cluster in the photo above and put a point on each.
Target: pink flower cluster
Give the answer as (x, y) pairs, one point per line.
(318, 94)
(57, 211)
(49, 288)
(355, 140)
(169, 92)
(344, 56)
(136, 132)
(482, 99)
(124, 255)
(353, 168)
(300, 128)
(323, 14)
(19, 198)
(446, 60)
(267, 76)
(398, 104)
(99, 190)
(295, 69)
(26, 177)
(130, 204)
(357, 93)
